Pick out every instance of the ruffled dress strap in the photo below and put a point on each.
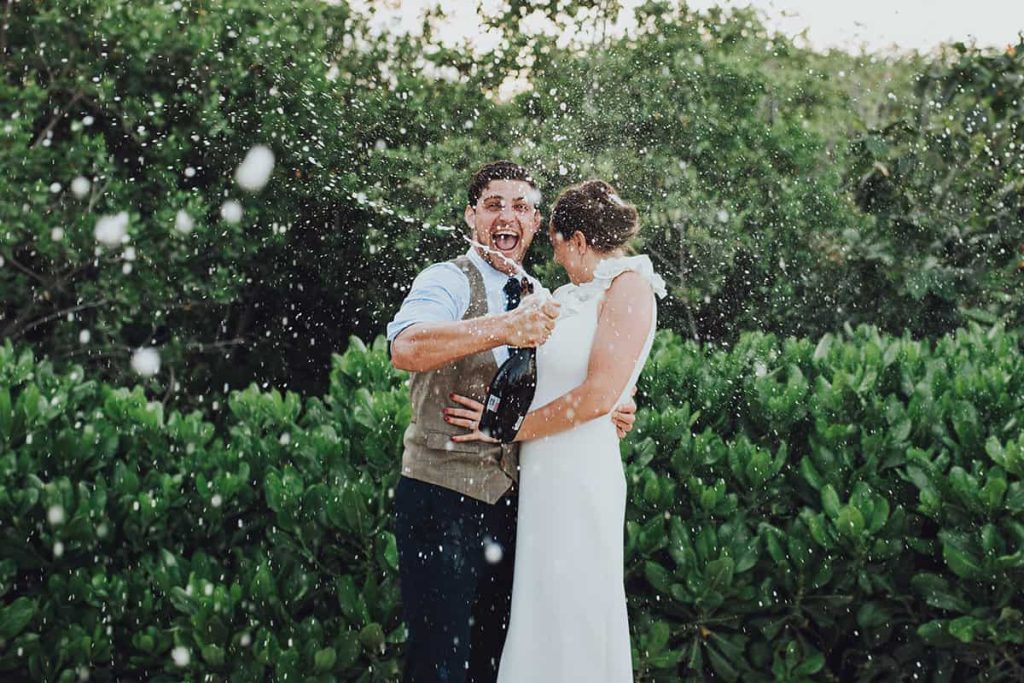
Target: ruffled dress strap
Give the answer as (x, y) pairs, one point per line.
(574, 297)
(609, 269)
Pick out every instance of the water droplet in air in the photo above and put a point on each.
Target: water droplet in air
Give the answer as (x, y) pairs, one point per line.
(181, 656)
(493, 552)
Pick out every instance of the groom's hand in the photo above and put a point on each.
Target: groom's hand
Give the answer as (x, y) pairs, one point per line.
(532, 322)
(624, 416)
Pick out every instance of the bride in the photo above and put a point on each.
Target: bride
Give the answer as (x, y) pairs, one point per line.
(568, 620)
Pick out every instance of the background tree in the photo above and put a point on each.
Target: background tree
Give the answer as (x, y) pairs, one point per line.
(781, 189)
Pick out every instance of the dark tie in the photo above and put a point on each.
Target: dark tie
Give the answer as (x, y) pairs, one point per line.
(513, 293)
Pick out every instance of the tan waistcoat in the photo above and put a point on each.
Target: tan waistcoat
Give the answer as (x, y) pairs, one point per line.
(479, 470)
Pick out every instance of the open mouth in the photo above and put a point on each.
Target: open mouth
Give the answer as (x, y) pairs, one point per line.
(505, 240)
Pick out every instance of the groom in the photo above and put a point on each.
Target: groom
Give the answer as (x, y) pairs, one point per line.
(455, 503)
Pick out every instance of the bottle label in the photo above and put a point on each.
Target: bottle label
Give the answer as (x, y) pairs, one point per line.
(492, 403)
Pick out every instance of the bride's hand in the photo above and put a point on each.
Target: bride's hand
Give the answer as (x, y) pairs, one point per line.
(624, 416)
(467, 417)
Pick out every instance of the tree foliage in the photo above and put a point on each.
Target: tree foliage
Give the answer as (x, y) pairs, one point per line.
(780, 189)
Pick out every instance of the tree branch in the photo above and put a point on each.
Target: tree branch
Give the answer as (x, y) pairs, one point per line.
(94, 352)
(57, 119)
(170, 387)
(95, 195)
(53, 316)
(28, 271)
(211, 347)
(23, 315)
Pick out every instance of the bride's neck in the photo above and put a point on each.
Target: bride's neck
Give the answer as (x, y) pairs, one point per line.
(592, 260)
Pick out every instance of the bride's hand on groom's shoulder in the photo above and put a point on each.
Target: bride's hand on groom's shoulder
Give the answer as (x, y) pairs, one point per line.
(468, 417)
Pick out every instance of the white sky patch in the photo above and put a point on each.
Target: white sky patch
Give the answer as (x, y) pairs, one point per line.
(881, 25)
(871, 25)
(254, 171)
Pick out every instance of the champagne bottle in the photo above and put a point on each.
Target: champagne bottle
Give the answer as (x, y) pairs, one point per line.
(511, 391)
(510, 395)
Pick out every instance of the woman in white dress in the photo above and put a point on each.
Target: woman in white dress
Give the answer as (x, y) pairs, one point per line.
(568, 620)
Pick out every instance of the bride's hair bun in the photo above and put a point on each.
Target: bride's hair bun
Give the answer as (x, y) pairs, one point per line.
(595, 209)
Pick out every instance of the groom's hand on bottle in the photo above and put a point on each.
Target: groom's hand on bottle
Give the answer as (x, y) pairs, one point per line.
(531, 323)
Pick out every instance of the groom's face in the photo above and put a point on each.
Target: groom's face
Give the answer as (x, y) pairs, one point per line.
(505, 219)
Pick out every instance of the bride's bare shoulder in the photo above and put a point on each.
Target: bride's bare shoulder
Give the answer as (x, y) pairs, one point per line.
(629, 295)
(629, 283)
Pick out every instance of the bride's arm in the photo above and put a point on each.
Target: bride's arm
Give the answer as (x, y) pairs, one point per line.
(622, 328)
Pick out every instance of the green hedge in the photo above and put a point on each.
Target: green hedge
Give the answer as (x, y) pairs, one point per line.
(850, 509)
(261, 551)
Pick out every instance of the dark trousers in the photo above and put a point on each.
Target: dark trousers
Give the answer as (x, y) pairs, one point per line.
(455, 558)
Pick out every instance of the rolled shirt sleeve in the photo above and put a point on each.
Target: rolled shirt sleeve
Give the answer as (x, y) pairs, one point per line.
(440, 293)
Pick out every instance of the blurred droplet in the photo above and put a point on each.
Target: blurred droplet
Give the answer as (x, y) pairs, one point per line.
(181, 656)
(111, 230)
(255, 170)
(146, 361)
(80, 186)
(231, 211)
(493, 552)
(183, 223)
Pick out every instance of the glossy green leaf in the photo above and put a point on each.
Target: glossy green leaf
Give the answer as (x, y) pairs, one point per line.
(830, 501)
(16, 616)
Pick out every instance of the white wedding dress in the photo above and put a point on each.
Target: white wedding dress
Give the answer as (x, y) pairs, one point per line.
(568, 620)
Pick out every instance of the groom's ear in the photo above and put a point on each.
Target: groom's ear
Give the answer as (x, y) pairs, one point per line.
(467, 215)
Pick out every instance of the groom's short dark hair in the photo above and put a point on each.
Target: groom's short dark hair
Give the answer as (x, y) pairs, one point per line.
(496, 170)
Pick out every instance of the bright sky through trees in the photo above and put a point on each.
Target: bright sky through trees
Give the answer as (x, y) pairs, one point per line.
(881, 24)
(874, 25)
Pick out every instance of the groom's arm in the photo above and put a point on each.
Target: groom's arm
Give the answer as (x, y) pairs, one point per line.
(429, 331)
(429, 345)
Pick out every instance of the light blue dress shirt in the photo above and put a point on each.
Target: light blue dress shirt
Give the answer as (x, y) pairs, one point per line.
(440, 293)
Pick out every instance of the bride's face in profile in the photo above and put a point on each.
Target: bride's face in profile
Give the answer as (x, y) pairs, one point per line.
(566, 254)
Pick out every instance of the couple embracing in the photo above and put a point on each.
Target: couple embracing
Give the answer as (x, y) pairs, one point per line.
(511, 555)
